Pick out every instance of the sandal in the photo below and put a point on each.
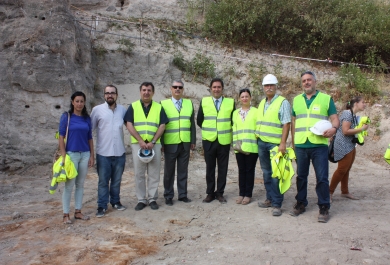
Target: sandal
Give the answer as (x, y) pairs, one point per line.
(79, 215)
(66, 219)
(239, 199)
(246, 200)
(349, 196)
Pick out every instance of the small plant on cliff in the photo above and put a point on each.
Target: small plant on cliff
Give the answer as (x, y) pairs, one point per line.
(125, 46)
(199, 66)
(100, 50)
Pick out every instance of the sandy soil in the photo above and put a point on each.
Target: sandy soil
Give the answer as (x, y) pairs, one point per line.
(196, 233)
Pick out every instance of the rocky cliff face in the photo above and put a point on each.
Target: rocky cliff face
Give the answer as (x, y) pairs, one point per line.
(44, 57)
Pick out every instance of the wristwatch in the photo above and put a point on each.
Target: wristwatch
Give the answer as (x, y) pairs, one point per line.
(153, 142)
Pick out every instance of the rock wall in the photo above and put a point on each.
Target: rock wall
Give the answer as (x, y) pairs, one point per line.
(44, 57)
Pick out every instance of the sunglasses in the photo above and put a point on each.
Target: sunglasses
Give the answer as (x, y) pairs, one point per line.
(177, 87)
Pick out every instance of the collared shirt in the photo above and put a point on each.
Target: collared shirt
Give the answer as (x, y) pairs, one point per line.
(284, 111)
(219, 102)
(175, 102)
(109, 128)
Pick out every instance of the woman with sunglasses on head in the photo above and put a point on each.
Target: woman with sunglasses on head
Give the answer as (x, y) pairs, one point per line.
(344, 146)
(79, 147)
(244, 127)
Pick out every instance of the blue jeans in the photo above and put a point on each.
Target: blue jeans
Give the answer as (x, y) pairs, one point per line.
(319, 158)
(80, 161)
(109, 168)
(271, 184)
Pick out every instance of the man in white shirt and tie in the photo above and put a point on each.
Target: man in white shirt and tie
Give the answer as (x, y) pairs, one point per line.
(178, 139)
(215, 119)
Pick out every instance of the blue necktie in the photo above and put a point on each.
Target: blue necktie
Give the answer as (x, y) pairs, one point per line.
(216, 104)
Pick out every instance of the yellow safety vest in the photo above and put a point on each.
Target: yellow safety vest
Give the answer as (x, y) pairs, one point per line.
(362, 134)
(62, 173)
(282, 167)
(178, 129)
(387, 155)
(305, 118)
(146, 127)
(269, 128)
(245, 131)
(217, 124)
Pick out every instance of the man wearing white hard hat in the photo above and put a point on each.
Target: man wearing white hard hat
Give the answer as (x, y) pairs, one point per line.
(310, 133)
(146, 121)
(272, 128)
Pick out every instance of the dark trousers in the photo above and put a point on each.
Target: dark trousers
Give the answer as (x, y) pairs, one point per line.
(246, 173)
(319, 157)
(216, 154)
(181, 156)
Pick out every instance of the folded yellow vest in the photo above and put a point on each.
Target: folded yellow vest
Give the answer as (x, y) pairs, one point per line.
(62, 173)
(282, 167)
(362, 134)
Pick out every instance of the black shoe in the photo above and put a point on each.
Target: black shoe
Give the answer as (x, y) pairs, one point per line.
(140, 206)
(119, 206)
(153, 205)
(323, 217)
(100, 212)
(185, 199)
(168, 201)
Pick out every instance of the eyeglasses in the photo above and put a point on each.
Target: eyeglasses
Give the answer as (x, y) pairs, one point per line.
(109, 93)
(177, 87)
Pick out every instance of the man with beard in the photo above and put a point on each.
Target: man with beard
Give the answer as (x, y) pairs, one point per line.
(107, 119)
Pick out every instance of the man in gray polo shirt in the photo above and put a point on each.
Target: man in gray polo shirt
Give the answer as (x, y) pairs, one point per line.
(107, 119)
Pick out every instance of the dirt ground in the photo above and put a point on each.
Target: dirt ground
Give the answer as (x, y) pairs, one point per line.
(31, 229)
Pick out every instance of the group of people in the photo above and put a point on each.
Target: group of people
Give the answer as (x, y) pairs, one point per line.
(169, 127)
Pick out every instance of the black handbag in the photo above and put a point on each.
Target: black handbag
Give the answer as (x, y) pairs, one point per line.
(331, 150)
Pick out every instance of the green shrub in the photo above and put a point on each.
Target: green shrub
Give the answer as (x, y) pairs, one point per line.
(338, 29)
(199, 66)
(355, 81)
(125, 46)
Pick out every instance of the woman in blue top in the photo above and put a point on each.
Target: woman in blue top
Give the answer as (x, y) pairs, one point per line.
(79, 147)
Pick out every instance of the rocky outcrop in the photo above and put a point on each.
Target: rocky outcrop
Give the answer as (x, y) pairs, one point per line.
(44, 57)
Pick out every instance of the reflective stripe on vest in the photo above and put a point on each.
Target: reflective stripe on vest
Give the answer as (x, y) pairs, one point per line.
(217, 124)
(245, 131)
(305, 118)
(146, 127)
(268, 127)
(178, 128)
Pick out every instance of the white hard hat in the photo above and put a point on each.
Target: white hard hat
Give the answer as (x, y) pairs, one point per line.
(320, 127)
(270, 80)
(145, 155)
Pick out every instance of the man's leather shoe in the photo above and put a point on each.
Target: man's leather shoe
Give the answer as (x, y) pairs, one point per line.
(221, 199)
(185, 199)
(209, 198)
(168, 201)
(140, 206)
(153, 205)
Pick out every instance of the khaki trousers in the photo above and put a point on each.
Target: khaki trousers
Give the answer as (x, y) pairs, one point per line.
(146, 188)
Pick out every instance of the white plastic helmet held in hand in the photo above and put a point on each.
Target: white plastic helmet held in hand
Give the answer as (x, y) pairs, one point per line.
(270, 80)
(320, 127)
(145, 155)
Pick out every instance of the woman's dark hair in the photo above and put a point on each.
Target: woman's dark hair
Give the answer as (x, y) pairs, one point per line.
(244, 90)
(352, 102)
(84, 112)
